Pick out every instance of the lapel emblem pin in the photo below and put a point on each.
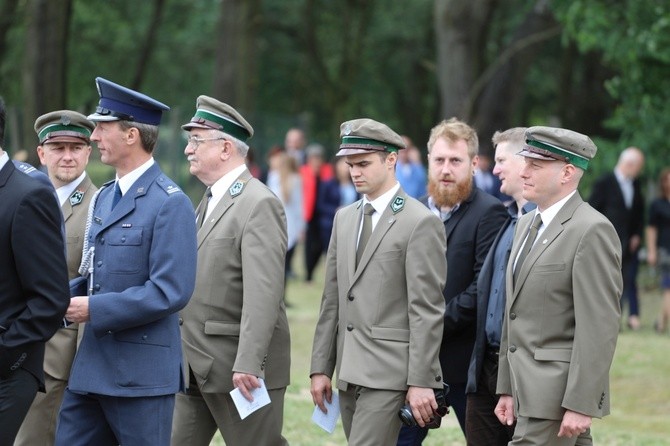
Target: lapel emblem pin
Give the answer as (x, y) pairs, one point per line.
(397, 204)
(544, 242)
(76, 198)
(236, 188)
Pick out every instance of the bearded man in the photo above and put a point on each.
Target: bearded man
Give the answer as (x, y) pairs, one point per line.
(472, 218)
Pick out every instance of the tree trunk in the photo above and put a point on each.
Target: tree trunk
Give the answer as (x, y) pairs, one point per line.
(148, 45)
(495, 95)
(459, 30)
(44, 74)
(7, 19)
(235, 77)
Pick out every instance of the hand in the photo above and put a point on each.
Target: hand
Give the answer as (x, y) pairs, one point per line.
(246, 383)
(651, 258)
(505, 410)
(78, 310)
(573, 424)
(423, 404)
(321, 387)
(634, 243)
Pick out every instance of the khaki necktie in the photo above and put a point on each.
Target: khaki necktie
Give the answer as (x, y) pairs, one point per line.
(532, 235)
(202, 207)
(368, 210)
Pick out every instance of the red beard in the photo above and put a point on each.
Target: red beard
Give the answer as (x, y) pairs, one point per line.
(444, 197)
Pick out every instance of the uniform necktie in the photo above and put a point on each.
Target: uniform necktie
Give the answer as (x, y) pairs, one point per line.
(368, 210)
(202, 207)
(532, 235)
(117, 194)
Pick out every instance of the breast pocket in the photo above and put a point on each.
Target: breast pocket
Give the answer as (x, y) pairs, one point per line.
(124, 250)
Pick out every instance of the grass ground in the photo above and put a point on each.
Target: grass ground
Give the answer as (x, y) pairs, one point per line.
(640, 382)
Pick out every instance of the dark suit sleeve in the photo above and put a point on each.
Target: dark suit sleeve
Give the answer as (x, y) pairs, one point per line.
(39, 256)
(598, 198)
(461, 310)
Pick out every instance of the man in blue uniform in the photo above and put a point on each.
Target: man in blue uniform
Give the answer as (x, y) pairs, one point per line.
(140, 257)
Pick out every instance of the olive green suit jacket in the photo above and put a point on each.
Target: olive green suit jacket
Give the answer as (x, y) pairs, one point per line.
(62, 346)
(562, 315)
(380, 324)
(236, 319)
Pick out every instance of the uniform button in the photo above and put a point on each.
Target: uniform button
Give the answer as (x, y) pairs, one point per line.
(97, 287)
(144, 337)
(350, 327)
(438, 378)
(181, 321)
(512, 348)
(102, 241)
(109, 331)
(351, 297)
(123, 239)
(512, 316)
(99, 263)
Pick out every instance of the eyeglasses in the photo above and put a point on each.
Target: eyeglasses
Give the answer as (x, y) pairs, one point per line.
(196, 141)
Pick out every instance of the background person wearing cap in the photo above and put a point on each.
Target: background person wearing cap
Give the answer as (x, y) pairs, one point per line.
(141, 228)
(562, 311)
(64, 148)
(481, 425)
(235, 330)
(471, 219)
(33, 291)
(380, 322)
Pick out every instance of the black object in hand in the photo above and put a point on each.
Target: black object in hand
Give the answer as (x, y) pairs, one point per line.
(405, 412)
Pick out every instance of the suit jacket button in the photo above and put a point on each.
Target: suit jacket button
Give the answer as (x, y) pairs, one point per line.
(102, 241)
(350, 327)
(144, 337)
(181, 321)
(351, 297)
(512, 348)
(512, 316)
(99, 263)
(438, 378)
(97, 287)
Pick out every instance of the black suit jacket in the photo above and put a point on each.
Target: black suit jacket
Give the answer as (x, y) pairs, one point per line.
(34, 292)
(607, 199)
(483, 291)
(470, 232)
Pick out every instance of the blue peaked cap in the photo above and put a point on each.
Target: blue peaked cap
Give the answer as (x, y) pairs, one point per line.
(118, 103)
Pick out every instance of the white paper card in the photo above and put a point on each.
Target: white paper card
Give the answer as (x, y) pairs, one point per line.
(327, 421)
(246, 407)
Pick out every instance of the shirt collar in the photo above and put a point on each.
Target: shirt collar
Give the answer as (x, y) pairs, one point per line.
(551, 212)
(128, 179)
(223, 184)
(4, 159)
(383, 200)
(64, 192)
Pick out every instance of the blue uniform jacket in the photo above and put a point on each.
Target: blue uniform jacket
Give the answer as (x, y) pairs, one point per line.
(144, 273)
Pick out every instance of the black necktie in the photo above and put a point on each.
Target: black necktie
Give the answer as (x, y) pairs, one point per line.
(202, 207)
(368, 210)
(532, 235)
(117, 194)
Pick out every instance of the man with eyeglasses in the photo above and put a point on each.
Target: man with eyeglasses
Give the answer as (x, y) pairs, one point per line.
(235, 331)
(139, 258)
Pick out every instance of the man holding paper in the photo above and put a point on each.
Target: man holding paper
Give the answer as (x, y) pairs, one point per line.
(235, 331)
(381, 318)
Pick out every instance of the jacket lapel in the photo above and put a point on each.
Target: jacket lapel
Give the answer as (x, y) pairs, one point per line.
(127, 203)
(222, 207)
(545, 239)
(386, 220)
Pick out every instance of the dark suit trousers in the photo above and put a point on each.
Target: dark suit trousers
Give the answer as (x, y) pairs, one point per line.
(629, 268)
(482, 427)
(17, 392)
(106, 420)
